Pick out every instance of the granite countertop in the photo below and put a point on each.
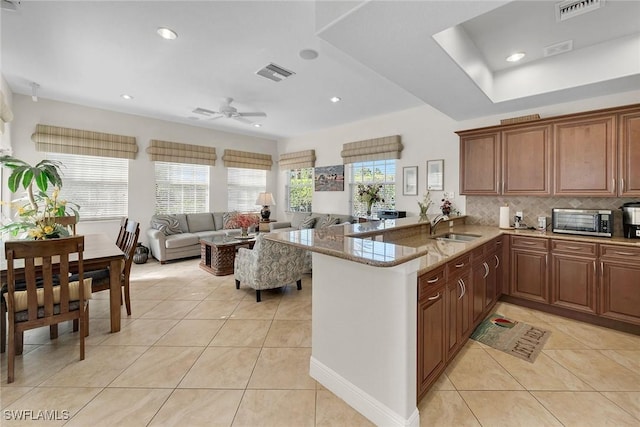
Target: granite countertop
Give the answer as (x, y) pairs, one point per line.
(363, 242)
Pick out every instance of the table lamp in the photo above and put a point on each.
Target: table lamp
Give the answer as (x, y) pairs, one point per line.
(266, 200)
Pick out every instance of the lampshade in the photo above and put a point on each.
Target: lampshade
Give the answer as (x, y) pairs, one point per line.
(265, 199)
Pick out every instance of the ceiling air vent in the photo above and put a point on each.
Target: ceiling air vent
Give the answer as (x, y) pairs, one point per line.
(558, 48)
(274, 72)
(572, 8)
(204, 112)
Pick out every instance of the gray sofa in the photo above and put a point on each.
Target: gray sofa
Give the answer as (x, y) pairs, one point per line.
(178, 236)
(302, 220)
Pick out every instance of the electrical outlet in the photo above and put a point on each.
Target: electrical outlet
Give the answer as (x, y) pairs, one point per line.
(519, 214)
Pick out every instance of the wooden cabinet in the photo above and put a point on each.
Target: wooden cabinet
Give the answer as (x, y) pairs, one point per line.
(431, 336)
(480, 164)
(459, 299)
(620, 283)
(529, 268)
(526, 161)
(573, 275)
(629, 154)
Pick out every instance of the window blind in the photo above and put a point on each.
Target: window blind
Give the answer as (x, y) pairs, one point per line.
(181, 188)
(388, 147)
(247, 160)
(298, 160)
(99, 185)
(243, 187)
(53, 139)
(177, 152)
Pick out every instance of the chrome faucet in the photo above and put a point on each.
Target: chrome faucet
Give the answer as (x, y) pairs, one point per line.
(435, 221)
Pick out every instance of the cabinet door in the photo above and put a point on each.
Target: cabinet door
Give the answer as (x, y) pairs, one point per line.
(620, 291)
(480, 274)
(573, 282)
(584, 156)
(629, 147)
(529, 275)
(431, 339)
(526, 161)
(480, 164)
(459, 311)
(493, 282)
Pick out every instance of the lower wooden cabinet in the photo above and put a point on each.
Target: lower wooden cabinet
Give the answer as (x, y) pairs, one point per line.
(431, 337)
(573, 275)
(620, 283)
(529, 268)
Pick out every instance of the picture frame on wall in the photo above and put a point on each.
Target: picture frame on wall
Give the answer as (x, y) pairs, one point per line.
(329, 178)
(435, 175)
(410, 181)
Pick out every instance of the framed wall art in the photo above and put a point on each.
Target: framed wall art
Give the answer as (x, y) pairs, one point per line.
(329, 178)
(410, 181)
(435, 175)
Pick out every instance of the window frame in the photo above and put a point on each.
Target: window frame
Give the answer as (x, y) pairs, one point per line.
(387, 177)
(178, 172)
(290, 186)
(252, 189)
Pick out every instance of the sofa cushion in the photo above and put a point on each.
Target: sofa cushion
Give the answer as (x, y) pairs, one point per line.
(218, 220)
(181, 240)
(168, 224)
(298, 217)
(229, 219)
(308, 222)
(327, 221)
(182, 219)
(200, 222)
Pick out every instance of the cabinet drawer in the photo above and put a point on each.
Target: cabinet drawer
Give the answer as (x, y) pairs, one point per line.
(533, 243)
(429, 281)
(573, 248)
(620, 252)
(458, 265)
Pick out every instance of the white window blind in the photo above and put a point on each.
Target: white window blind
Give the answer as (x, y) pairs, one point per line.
(243, 188)
(373, 172)
(181, 188)
(99, 185)
(299, 189)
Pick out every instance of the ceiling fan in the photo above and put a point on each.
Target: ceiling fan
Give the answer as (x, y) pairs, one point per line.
(229, 112)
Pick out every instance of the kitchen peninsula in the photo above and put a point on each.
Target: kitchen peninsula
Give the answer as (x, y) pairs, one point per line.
(368, 296)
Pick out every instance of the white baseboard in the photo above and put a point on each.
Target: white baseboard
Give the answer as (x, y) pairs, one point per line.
(376, 411)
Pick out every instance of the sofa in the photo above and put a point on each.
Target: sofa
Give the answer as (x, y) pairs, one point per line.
(178, 236)
(305, 220)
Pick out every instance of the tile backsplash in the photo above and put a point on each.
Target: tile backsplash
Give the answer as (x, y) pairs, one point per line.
(485, 210)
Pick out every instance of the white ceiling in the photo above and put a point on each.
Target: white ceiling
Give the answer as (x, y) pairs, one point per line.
(378, 56)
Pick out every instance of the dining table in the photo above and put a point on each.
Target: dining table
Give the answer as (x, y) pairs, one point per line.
(100, 252)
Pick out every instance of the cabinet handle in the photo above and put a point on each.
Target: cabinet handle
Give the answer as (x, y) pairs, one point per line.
(573, 248)
(434, 280)
(624, 253)
(486, 270)
(594, 269)
(497, 260)
(460, 265)
(621, 186)
(434, 297)
(529, 243)
(461, 289)
(464, 287)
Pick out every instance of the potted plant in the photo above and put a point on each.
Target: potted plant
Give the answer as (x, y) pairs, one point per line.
(36, 214)
(370, 194)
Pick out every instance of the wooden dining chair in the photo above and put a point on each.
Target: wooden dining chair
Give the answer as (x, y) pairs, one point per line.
(68, 221)
(49, 297)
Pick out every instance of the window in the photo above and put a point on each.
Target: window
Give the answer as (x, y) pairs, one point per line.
(99, 185)
(243, 188)
(181, 188)
(373, 172)
(299, 190)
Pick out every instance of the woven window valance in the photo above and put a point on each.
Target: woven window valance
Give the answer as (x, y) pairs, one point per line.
(6, 115)
(177, 152)
(55, 139)
(298, 160)
(388, 147)
(247, 160)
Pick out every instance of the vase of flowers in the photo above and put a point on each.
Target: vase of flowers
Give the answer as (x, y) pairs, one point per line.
(424, 205)
(244, 221)
(446, 206)
(36, 213)
(369, 194)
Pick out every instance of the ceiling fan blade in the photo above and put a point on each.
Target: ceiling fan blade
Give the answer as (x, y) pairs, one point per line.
(252, 114)
(242, 119)
(216, 117)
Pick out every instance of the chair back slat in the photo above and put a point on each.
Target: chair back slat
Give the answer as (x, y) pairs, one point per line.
(122, 231)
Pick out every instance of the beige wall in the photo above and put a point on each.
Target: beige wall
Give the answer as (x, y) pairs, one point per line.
(426, 134)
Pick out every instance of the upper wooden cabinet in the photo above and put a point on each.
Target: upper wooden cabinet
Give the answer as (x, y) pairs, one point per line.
(629, 154)
(594, 153)
(585, 157)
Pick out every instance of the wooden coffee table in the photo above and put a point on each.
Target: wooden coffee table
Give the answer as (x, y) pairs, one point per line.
(218, 256)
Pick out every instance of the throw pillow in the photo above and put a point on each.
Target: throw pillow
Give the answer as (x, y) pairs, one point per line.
(308, 222)
(327, 221)
(229, 219)
(168, 224)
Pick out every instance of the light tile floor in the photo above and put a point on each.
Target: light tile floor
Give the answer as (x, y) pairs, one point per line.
(196, 351)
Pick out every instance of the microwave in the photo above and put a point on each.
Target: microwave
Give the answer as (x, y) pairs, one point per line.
(587, 222)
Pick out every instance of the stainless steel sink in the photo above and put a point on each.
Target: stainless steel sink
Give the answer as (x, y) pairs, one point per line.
(457, 237)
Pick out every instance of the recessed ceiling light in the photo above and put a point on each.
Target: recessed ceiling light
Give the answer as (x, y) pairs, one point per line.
(308, 54)
(126, 96)
(257, 125)
(336, 99)
(515, 57)
(167, 33)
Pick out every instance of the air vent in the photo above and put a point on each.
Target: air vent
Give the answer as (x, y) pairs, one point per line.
(572, 8)
(10, 5)
(558, 48)
(205, 112)
(274, 72)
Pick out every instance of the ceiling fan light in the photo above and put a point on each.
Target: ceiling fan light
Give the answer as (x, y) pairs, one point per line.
(126, 96)
(257, 125)
(515, 57)
(335, 99)
(167, 33)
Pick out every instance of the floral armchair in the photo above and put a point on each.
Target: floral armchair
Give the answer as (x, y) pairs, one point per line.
(269, 265)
